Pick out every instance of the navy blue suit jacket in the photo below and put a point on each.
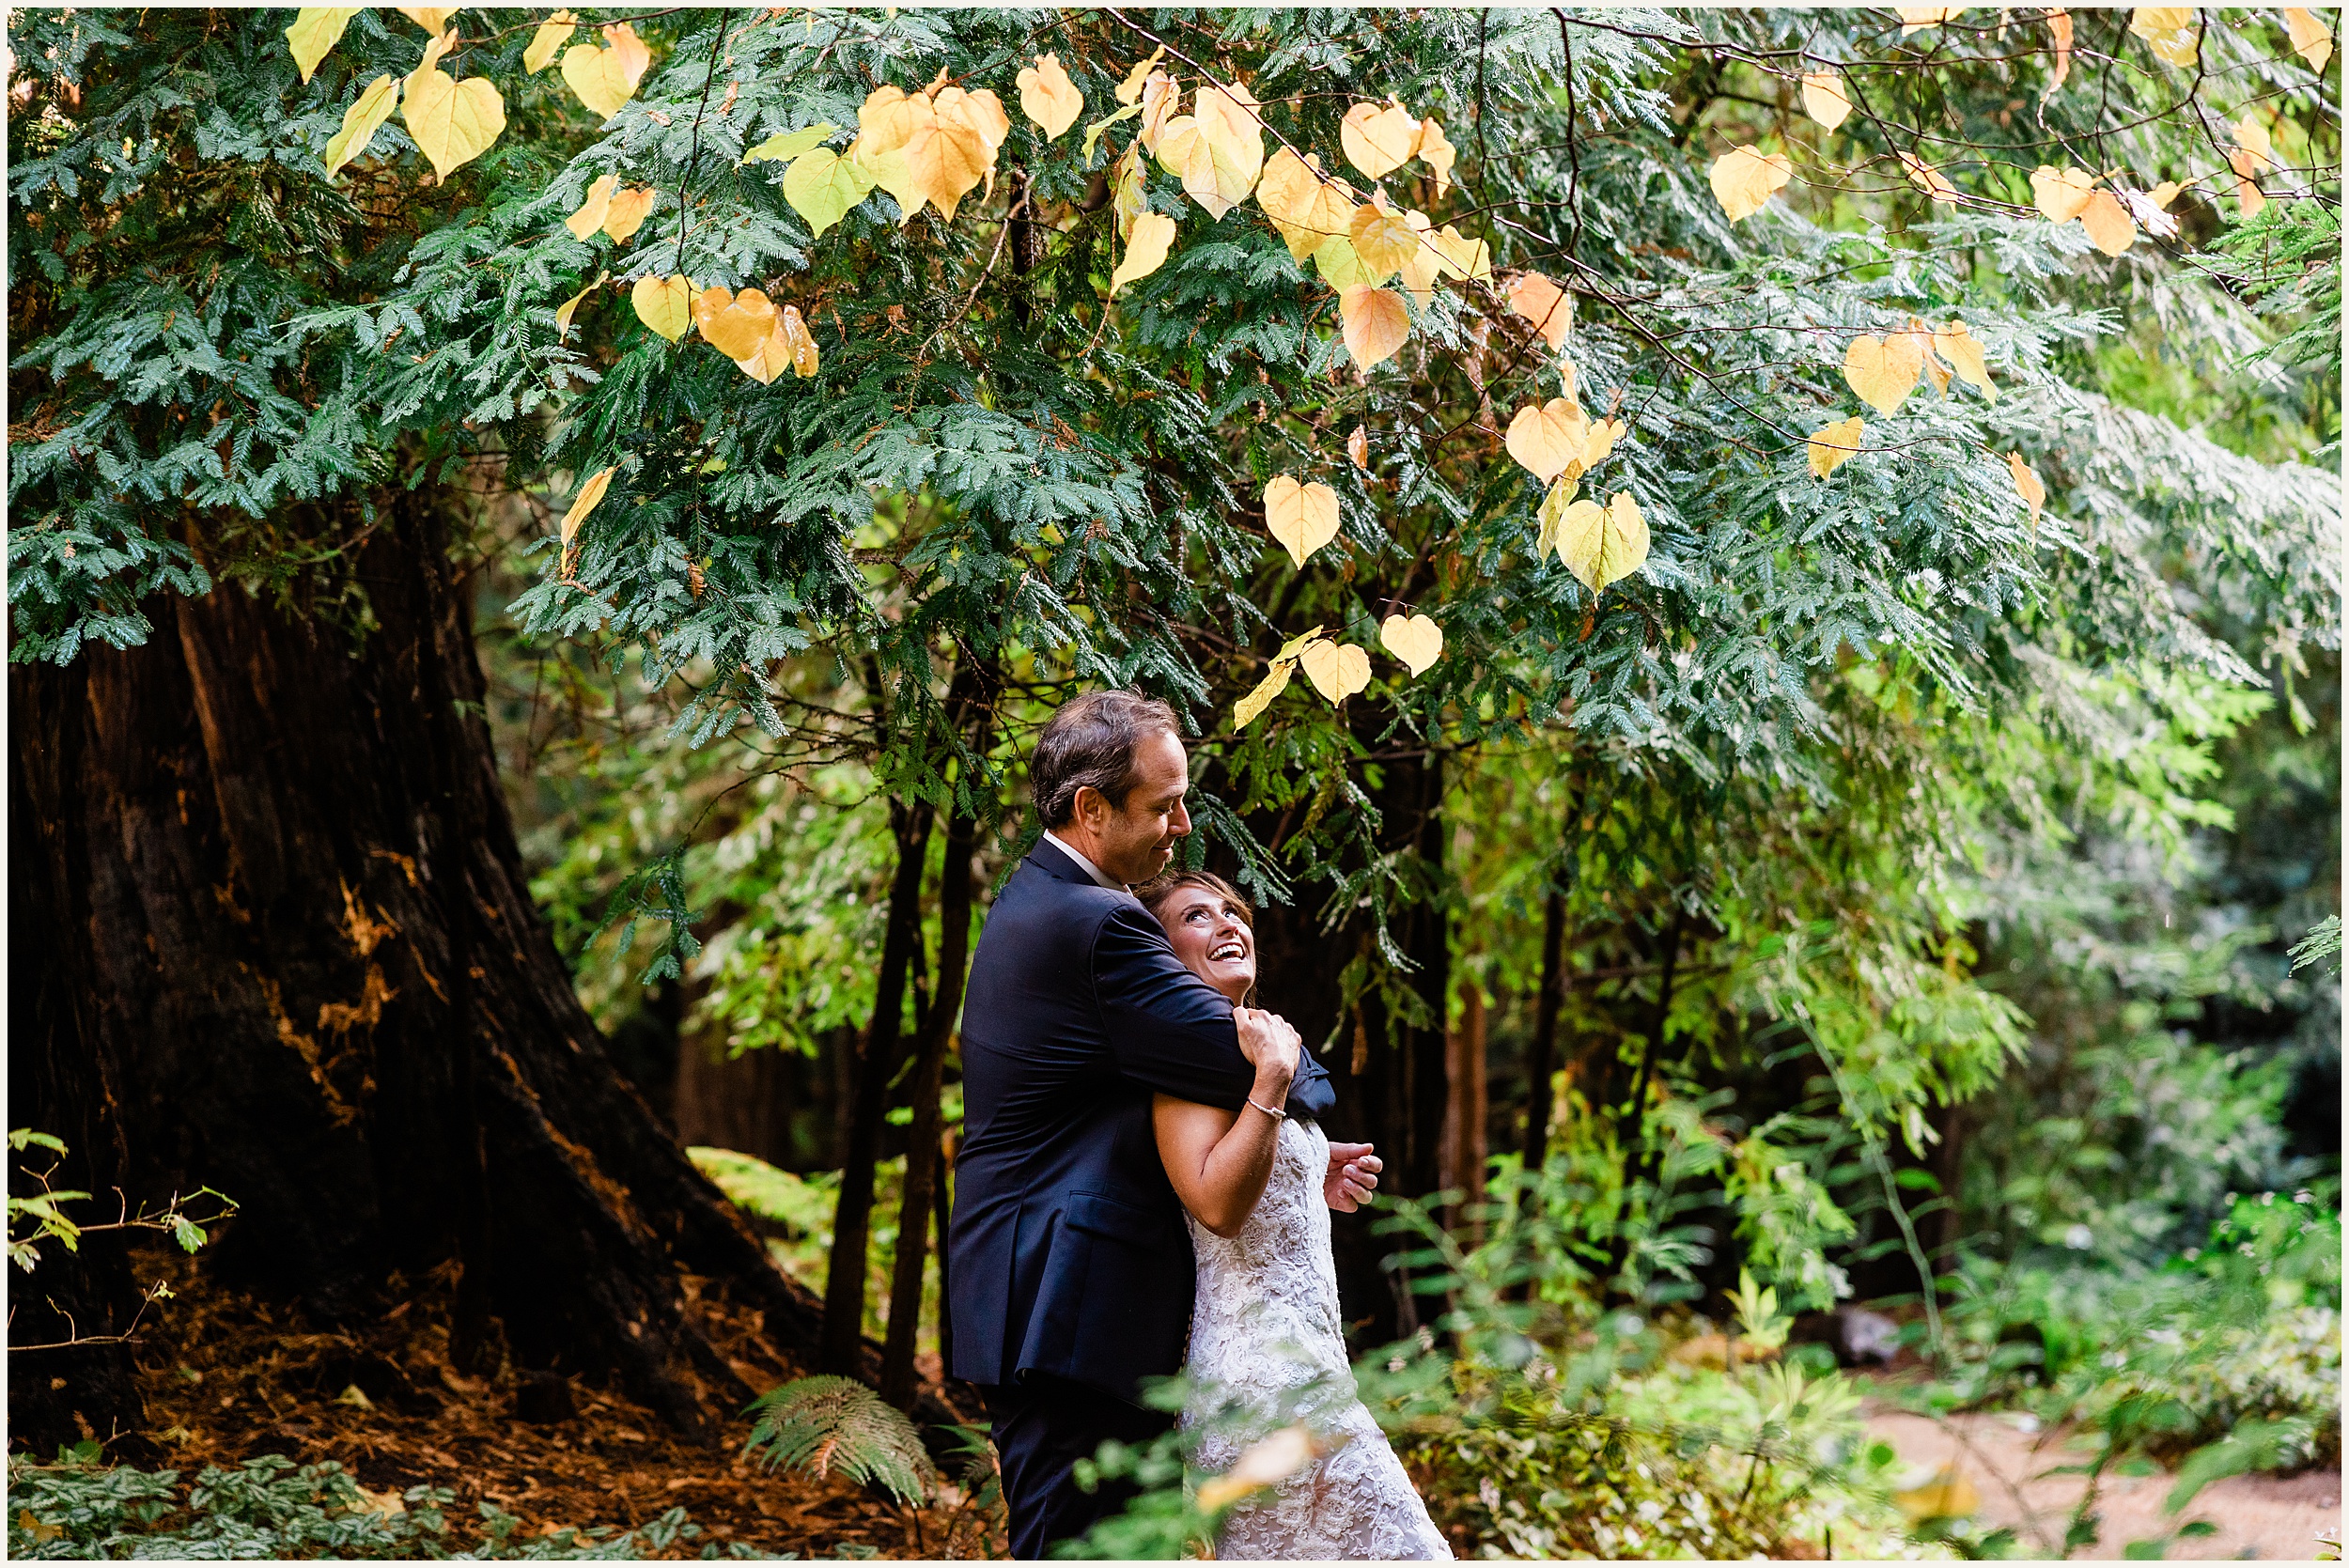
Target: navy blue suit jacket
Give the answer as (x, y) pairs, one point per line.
(1066, 1252)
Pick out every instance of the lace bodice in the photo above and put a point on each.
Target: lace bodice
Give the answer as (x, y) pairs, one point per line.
(1265, 1334)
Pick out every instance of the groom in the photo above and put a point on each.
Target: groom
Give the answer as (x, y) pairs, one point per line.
(1069, 1268)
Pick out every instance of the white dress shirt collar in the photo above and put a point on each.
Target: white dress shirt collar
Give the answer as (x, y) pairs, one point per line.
(1088, 867)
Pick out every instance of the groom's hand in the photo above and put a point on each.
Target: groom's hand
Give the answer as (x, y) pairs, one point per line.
(1353, 1176)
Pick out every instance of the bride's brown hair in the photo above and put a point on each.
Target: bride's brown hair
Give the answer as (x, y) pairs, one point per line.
(1157, 890)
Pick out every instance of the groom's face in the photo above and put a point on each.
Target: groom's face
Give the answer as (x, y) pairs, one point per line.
(1137, 842)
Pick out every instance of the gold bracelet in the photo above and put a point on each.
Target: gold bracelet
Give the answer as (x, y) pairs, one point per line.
(1276, 1115)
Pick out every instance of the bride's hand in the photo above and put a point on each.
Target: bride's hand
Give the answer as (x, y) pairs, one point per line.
(1353, 1177)
(1271, 1047)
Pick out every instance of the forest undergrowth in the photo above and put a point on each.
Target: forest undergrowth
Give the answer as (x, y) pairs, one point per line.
(363, 1439)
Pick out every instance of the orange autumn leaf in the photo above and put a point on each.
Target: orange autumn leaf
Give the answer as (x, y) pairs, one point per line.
(1375, 322)
(1540, 301)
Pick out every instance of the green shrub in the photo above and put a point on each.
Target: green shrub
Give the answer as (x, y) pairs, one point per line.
(1680, 1462)
(270, 1507)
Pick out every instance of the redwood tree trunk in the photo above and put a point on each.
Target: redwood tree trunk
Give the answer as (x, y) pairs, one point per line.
(273, 895)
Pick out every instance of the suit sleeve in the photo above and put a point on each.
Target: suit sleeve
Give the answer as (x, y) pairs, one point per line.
(1170, 1030)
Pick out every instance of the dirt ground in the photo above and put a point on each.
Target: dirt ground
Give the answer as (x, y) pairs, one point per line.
(229, 1380)
(2258, 1516)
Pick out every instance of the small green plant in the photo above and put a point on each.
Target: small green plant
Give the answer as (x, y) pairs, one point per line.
(39, 1217)
(817, 1424)
(271, 1507)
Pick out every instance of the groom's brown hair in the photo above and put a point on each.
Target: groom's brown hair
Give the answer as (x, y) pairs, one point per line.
(1090, 743)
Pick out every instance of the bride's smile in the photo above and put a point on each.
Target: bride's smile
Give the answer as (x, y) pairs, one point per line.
(1211, 935)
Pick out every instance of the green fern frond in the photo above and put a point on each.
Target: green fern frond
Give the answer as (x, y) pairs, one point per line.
(818, 1424)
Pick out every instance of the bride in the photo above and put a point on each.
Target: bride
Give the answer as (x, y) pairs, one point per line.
(1265, 1331)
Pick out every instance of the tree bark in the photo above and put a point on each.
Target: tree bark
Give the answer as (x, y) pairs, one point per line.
(923, 1151)
(852, 1218)
(1466, 1110)
(1538, 1096)
(287, 950)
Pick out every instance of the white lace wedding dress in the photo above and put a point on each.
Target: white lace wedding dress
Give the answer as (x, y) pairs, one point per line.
(1265, 1335)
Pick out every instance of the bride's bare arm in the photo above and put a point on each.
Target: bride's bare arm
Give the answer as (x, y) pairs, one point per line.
(1219, 1160)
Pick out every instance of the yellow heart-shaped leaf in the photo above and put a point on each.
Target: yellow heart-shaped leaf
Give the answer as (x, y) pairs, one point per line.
(2168, 31)
(1425, 264)
(2061, 195)
(798, 340)
(432, 19)
(1337, 670)
(1833, 445)
(629, 211)
(784, 146)
(598, 76)
(1286, 195)
(1184, 152)
(1244, 711)
(789, 345)
(1962, 349)
(453, 122)
(589, 494)
(1378, 138)
(953, 147)
(2026, 485)
(1471, 260)
(1145, 252)
(2310, 39)
(823, 186)
(564, 312)
(1744, 178)
(1883, 370)
(1301, 516)
(1549, 438)
(315, 30)
(1383, 241)
(1048, 97)
(591, 213)
(1160, 97)
(1228, 120)
(734, 324)
(1600, 441)
(1339, 267)
(665, 304)
(1416, 640)
(1540, 301)
(2108, 223)
(552, 34)
(1602, 544)
(1129, 90)
(361, 121)
(1373, 320)
(1824, 98)
(887, 121)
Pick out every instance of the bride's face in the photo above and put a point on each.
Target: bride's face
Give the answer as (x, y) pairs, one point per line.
(1213, 938)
